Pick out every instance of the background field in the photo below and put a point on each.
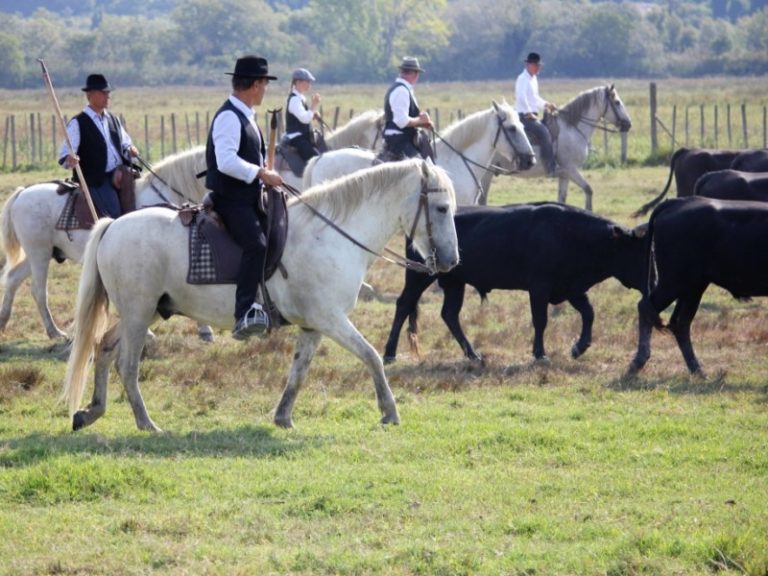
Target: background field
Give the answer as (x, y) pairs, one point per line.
(503, 468)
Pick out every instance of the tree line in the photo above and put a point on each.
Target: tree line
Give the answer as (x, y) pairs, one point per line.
(192, 42)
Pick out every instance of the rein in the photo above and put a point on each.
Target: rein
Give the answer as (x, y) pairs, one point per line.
(597, 124)
(146, 165)
(395, 257)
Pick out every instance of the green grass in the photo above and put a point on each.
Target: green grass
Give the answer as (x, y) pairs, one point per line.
(503, 468)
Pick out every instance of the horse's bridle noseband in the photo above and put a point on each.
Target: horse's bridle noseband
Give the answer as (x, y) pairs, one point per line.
(424, 207)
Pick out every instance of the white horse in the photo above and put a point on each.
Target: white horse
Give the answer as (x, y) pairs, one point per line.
(362, 131)
(575, 123)
(465, 151)
(138, 263)
(30, 239)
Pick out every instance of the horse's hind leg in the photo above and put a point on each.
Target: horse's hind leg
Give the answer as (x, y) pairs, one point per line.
(39, 264)
(306, 346)
(133, 333)
(581, 183)
(13, 279)
(105, 353)
(345, 334)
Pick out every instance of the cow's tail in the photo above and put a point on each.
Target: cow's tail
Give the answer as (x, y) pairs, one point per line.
(650, 277)
(645, 208)
(9, 242)
(91, 320)
(306, 179)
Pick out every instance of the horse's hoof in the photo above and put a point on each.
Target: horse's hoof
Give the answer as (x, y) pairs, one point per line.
(389, 359)
(78, 421)
(393, 419)
(577, 350)
(542, 361)
(286, 423)
(206, 337)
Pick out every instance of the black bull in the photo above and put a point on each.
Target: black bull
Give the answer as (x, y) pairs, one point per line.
(733, 185)
(689, 164)
(554, 251)
(690, 244)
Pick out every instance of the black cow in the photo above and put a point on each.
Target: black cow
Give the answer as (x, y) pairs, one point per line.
(554, 251)
(733, 185)
(690, 244)
(689, 164)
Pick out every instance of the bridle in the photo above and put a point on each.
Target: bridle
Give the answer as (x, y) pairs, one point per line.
(394, 257)
(492, 168)
(601, 125)
(151, 184)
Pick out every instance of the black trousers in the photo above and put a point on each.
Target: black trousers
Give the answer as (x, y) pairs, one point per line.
(304, 147)
(540, 132)
(242, 220)
(401, 145)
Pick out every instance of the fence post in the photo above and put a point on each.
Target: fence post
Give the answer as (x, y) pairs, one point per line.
(701, 125)
(14, 164)
(197, 128)
(173, 132)
(744, 124)
(189, 133)
(5, 139)
(32, 138)
(39, 137)
(437, 119)
(674, 126)
(687, 126)
(336, 117)
(765, 128)
(162, 136)
(715, 125)
(53, 136)
(146, 137)
(654, 135)
(728, 120)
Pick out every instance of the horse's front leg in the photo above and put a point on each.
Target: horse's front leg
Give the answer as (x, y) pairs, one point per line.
(13, 279)
(306, 346)
(579, 180)
(346, 335)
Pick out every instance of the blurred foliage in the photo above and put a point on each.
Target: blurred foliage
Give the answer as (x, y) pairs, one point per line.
(161, 42)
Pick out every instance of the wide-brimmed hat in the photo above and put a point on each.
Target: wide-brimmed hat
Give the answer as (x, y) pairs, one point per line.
(252, 67)
(96, 82)
(533, 58)
(411, 64)
(303, 74)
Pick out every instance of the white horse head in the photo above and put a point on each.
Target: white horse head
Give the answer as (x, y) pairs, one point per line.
(364, 131)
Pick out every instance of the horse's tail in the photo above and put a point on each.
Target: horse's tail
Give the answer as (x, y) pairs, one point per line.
(9, 242)
(91, 319)
(645, 208)
(306, 179)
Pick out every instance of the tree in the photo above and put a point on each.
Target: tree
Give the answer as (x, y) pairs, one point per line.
(11, 61)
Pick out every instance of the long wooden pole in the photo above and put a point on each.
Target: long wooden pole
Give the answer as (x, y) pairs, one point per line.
(272, 138)
(80, 177)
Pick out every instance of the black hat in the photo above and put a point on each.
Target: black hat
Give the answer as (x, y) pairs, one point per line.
(410, 64)
(252, 67)
(96, 82)
(533, 58)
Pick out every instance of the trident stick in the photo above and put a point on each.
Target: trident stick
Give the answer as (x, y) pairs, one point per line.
(78, 171)
(272, 138)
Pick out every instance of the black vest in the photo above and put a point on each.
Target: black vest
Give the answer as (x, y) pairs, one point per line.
(93, 148)
(413, 110)
(251, 150)
(293, 124)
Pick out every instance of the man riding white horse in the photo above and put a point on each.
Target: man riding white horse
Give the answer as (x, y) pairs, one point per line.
(402, 116)
(528, 104)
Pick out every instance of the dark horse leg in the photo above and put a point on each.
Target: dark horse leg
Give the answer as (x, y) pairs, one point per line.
(582, 305)
(453, 301)
(539, 301)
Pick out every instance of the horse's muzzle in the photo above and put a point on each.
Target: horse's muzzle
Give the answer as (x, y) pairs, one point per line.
(526, 161)
(625, 125)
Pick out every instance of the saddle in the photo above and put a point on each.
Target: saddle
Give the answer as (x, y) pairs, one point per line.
(76, 214)
(288, 158)
(421, 141)
(550, 121)
(214, 257)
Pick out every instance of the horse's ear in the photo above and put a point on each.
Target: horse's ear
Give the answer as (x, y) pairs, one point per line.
(495, 105)
(611, 87)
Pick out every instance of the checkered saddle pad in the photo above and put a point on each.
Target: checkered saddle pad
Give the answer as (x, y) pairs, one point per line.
(75, 215)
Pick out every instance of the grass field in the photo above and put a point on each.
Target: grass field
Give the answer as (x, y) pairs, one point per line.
(509, 467)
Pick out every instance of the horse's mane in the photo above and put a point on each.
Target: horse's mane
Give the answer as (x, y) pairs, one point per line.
(340, 198)
(179, 171)
(470, 129)
(350, 134)
(574, 110)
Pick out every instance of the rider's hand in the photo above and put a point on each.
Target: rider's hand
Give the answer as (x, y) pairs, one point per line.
(71, 161)
(132, 151)
(270, 177)
(315, 99)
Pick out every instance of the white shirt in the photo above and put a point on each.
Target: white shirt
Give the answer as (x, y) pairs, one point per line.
(527, 97)
(226, 141)
(296, 107)
(101, 120)
(400, 102)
